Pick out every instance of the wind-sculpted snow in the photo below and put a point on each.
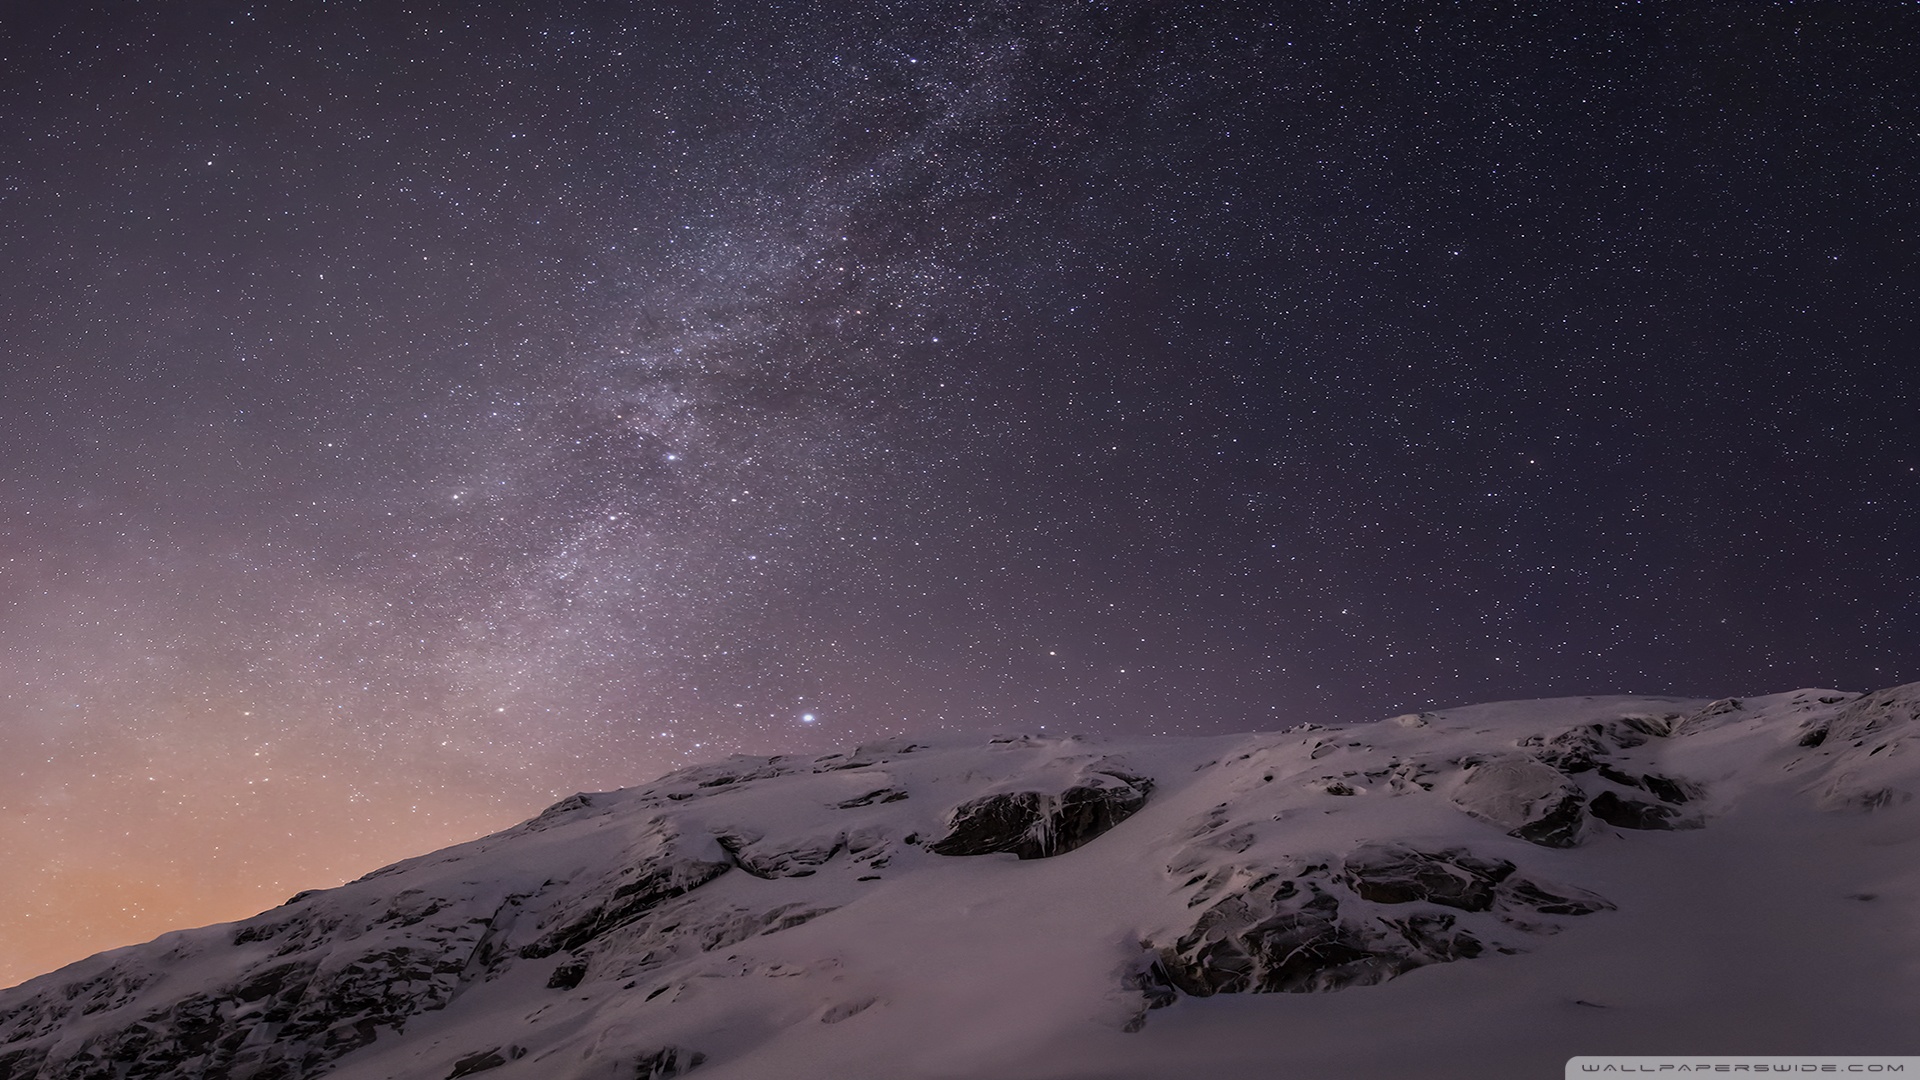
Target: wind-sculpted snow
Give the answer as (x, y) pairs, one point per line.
(1050, 906)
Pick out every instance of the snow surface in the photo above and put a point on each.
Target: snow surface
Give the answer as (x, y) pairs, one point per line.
(786, 917)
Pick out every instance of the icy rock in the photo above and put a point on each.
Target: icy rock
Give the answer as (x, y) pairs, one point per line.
(1388, 874)
(777, 860)
(1635, 814)
(1668, 789)
(654, 882)
(1035, 825)
(1285, 937)
(1573, 751)
(885, 795)
(666, 1063)
(568, 974)
(1530, 800)
(1303, 928)
(482, 1060)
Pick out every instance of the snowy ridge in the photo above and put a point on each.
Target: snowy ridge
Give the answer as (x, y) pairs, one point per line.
(1478, 891)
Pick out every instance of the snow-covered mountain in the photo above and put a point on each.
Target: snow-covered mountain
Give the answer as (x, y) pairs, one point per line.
(1479, 892)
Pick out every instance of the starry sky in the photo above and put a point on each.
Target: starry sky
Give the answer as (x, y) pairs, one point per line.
(411, 413)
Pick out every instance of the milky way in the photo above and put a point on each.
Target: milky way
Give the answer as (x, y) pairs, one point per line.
(409, 417)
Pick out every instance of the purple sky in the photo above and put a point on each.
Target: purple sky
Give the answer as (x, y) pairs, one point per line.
(409, 416)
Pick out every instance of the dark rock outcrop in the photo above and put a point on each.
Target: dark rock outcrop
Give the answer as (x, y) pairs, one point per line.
(1668, 789)
(1295, 930)
(1035, 825)
(653, 883)
(482, 1060)
(568, 974)
(1635, 814)
(1398, 875)
(22, 1064)
(1286, 937)
(883, 795)
(666, 1063)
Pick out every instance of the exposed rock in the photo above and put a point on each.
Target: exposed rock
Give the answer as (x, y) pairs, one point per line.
(885, 795)
(656, 881)
(666, 1063)
(1715, 713)
(1588, 746)
(1035, 825)
(1285, 938)
(549, 817)
(1667, 789)
(23, 1064)
(783, 858)
(738, 769)
(688, 927)
(1873, 714)
(1572, 751)
(866, 755)
(1530, 800)
(1634, 814)
(1283, 929)
(1389, 874)
(1520, 893)
(483, 1060)
(1406, 777)
(318, 1010)
(568, 975)
(1608, 772)
(622, 902)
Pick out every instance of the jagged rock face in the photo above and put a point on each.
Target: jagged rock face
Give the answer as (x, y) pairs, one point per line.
(1288, 936)
(1036, 824)
(1397, 875)
(1306, 927)
(1637, 814)
(712, 914)
(328, 983)
(667, 1063)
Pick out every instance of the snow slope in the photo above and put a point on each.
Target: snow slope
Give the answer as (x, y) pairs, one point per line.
(1479, 892)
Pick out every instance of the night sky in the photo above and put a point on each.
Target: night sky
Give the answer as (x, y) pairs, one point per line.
(411, 413)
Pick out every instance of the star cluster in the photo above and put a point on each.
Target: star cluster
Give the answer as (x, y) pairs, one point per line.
(411, 414)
